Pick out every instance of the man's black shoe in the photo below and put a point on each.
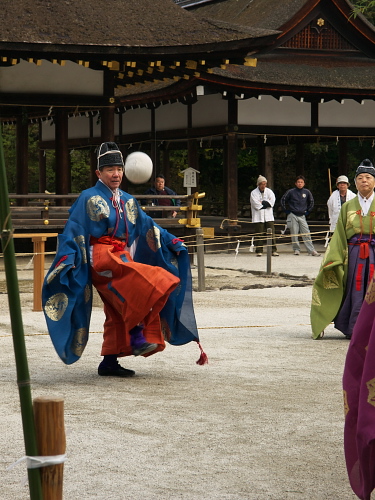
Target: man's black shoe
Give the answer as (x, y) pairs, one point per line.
(115, 371)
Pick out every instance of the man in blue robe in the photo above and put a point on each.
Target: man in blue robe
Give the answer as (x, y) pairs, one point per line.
(141, 271)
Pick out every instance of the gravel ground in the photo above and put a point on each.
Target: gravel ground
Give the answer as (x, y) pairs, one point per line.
(262, 421)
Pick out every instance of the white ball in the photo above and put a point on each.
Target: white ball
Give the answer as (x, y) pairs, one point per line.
(138, 167)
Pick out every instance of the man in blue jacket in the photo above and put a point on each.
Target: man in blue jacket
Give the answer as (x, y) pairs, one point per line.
(297, 203)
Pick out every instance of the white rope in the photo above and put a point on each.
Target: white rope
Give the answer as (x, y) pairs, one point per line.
(252, 248)
(30, 263)
(237, 248)
(37, 462)
(285, 228)
(327, 238)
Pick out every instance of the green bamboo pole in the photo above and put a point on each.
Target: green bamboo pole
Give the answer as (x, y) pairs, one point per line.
(23, 377)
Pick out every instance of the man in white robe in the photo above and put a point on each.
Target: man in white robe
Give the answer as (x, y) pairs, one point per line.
(337, 199)
(262, 200)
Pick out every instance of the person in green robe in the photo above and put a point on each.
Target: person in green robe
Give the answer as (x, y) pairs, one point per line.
(348, 264)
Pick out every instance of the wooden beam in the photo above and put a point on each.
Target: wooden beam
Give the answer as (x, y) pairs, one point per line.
(62, 155)
(231, 177)
(22, 154)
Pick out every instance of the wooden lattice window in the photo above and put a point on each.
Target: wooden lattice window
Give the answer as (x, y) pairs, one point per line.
(319, 35)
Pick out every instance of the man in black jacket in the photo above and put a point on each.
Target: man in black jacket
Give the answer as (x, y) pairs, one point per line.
(297, 203)
(159, 189)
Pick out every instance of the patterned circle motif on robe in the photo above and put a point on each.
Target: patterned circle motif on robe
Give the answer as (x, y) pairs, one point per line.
(79, 341)
(370, 294)
(52, 275)
(80, 240)
(97, 208)
(315, 298)
(350, 218)
(330, 279)
(55, 306)
(131, 210)
(153, 238)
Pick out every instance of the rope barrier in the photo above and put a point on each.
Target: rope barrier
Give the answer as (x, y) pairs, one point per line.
(215, 241)
(199, 328)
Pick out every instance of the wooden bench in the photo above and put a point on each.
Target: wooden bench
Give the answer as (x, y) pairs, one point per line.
(34, 217)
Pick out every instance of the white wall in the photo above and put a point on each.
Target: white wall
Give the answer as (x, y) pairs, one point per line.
(271, 111)
(210, 110)
(348, 114)
(49, 78)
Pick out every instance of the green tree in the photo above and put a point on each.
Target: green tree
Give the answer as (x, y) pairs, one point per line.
(365, 7)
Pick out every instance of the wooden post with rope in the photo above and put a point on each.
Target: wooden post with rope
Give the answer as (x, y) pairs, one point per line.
(200, 260)
(269, 250)
(49, 423)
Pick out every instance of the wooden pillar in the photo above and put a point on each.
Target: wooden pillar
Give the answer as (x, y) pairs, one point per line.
(231, 176)
(62, 155)
(120, 132)
(42, 164)
(343, 157)
(22, 153)
(166, 165)
(108, 113)
(231, 170)
(268, 166)
(93, 166)
(108, 124)
(315, 117)
(261, 155)
(192, 147)
(300, 157)
(93, 153)
(50, 430)
(153, 146)
(39, 252)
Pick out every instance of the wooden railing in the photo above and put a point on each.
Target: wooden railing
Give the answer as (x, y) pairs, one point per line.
(41, 212)
(42, 215)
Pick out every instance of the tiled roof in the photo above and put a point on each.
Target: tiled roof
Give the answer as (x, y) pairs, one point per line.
(117, 23)
(266, 14)
(334, 73)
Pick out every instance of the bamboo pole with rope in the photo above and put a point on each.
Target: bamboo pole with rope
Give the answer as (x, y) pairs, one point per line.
(23, 377)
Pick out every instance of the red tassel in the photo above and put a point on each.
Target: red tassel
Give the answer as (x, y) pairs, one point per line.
(176, 240)
(363, 250)
(358, 278)
(371, 272)
(203, 359)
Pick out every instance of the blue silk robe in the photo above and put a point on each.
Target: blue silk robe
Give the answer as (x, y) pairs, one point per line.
(67, 288)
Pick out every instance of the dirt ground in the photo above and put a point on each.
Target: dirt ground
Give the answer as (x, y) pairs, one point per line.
(233, 279)
(262, 421)
(215, 279)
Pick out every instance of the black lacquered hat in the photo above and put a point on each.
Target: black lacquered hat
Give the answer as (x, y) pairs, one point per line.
(109, 155)
(365, 167)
